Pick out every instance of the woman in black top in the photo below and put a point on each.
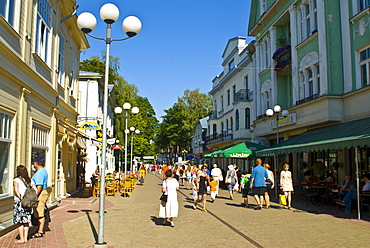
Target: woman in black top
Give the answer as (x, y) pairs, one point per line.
(202, 183)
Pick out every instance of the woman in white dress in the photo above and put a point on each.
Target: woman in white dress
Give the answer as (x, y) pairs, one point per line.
(170, 209)
(286, 184)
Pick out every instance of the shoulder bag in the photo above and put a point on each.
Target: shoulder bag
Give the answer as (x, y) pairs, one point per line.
(164, 197)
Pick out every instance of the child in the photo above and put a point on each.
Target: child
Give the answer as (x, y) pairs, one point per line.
(244, 187)
(195, 193)
(213, 186)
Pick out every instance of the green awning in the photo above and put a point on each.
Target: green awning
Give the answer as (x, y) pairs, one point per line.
(242, 150)
(346, 134)
(214, 154)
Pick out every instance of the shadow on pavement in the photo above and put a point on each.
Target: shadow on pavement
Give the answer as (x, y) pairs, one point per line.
(157, 221)
(93, 229)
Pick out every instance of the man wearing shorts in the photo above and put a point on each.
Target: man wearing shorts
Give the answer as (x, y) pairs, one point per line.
(40, 179)
(258, 184)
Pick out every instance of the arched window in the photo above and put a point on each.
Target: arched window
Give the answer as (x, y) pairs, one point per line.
(222, 127)
(237, 119)
(227, 124)
(247, 118)
(309, 85)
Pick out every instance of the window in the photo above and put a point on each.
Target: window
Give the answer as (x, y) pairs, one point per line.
(310, 82)
(43, 30)
(222, 127)
(237, 119)
(5, 142)
(365, 67)
(307, 19)
(231, 124)
(234, 93)
(265, 53)
(215, 106)
(222, 102)
(10, 12)
(228, 97)
(363, 4)
(61, 61)
(73, 74)
(247, 118)
(214, 131)
(231, 65)
(263, 6)
(227, 124)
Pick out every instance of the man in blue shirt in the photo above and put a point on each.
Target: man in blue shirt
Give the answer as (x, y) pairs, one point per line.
(258, 183)
(40, 180)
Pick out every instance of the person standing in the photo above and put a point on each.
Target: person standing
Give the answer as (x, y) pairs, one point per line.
(258, 183)
(286, 184)
(202, 183)
(216, 174)
(269, 184)
(40, 179)
(232, 179)
(170, 209)
(21, 215)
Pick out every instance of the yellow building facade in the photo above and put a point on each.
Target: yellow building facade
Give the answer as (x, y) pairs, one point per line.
(39, 62)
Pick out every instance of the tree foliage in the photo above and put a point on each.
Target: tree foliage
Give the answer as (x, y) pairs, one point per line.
(178, 124)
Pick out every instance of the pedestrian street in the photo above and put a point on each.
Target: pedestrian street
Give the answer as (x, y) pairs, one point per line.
(133, 222)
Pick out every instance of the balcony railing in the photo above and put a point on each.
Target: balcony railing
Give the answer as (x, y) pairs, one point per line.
(243, 95)
(218, 138)
(307, 99)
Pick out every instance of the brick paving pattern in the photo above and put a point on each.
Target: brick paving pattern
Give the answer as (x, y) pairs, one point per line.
(132, 222)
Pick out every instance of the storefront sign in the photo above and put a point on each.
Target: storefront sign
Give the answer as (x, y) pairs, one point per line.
(239, 155)
(285, 121)
(90, 126)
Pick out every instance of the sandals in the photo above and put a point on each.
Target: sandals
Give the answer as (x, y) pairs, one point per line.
(172, 224)
(38, 235)
(204, 210)
(19, 242)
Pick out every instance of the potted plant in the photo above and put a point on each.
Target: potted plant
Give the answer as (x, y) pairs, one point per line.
(319, 169)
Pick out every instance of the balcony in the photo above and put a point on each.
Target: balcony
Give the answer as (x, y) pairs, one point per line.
(219, 138)
(307, 99)
(243, 95)
(213, 115)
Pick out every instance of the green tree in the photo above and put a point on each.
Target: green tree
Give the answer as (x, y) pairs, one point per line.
(145, 121)
(177, 125)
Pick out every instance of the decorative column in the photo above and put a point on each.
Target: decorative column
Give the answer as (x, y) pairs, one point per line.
(294, 43)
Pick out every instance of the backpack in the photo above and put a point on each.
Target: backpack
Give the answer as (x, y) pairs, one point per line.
(30, 199)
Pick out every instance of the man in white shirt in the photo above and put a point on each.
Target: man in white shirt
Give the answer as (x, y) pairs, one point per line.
(216, 174)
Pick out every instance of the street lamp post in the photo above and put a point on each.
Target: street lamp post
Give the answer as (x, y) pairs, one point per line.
(137, 131)
(131, 25)
(269, 113)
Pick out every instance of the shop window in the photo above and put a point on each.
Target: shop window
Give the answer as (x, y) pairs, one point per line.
(40, 144)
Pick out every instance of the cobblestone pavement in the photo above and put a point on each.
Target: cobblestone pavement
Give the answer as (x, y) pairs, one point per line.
(133, 222)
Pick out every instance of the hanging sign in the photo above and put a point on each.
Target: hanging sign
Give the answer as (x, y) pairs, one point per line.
(111, 141)
(90, 126)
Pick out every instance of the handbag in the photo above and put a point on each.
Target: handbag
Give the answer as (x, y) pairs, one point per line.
(29, 199)
(228, 180)
(282, 199)
(164, 197)
(221, 178)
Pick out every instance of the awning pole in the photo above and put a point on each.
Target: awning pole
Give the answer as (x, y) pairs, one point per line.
(275, 179)
(358, 185)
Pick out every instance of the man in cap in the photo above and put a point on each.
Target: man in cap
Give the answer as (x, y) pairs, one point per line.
(40, 180)
(216, 174)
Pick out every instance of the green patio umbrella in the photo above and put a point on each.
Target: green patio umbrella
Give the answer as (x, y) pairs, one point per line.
(242, 150)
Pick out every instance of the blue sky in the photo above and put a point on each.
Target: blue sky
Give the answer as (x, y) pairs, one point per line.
(179, 47)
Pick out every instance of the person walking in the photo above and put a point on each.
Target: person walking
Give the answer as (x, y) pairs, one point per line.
(170, 209)
(269, 184)
(244, 187)
(216, 174)
(231, 180)
(202, 183)
(21, 215)
(40, 179)
(286, 184)
(258, 183)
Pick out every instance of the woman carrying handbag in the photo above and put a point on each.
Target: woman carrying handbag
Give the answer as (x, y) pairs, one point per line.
(169, 209)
